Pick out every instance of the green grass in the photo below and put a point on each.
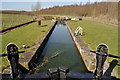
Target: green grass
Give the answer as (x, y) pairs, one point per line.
(10, 20)
(96, 33)
(27, 35)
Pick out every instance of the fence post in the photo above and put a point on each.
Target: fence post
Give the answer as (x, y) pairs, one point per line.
(39, 22)
(13, 57)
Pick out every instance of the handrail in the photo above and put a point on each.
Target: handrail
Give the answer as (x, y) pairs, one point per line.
(3, 55)
(109, 55)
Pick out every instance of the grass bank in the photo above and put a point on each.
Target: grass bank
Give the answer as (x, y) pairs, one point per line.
(27, 35)
(10, 20)
(96, 33)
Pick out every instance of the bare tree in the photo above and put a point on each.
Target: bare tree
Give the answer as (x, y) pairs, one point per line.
(36, 7)
(33, 8)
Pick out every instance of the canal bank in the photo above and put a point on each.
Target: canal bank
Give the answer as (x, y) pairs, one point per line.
(88, 58)
(33, 60)
(36, 35)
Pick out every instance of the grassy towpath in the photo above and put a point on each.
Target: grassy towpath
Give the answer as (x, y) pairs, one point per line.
(96, 33)
(27, 35)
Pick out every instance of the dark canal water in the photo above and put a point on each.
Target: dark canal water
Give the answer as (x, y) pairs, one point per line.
(60, 50)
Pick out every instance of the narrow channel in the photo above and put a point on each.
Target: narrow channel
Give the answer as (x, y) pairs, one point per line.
(60, 50)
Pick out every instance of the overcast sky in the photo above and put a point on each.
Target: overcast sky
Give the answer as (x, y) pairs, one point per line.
(27, 4)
